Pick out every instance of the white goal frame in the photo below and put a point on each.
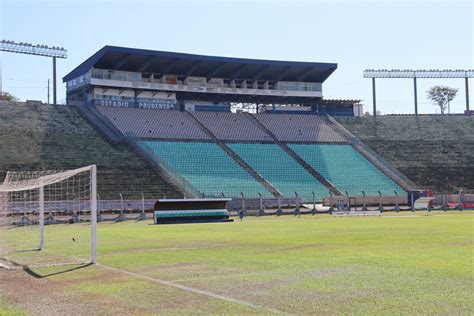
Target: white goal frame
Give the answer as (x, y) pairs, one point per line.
(61, 176)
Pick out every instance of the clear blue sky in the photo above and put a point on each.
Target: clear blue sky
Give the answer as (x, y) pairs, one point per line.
(355, 34)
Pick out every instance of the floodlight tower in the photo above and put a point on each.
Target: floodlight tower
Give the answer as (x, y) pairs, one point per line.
(38, 50)
(421, 73)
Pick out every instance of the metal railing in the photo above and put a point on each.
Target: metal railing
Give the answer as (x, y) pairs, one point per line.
(99, 123)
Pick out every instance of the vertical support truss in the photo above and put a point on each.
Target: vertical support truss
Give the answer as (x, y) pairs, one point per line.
(374, 102)
(415, 94)
(467, 95)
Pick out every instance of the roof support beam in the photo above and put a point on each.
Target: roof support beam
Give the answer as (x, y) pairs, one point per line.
(260, 73)
(146, 63)
(192, 69)
(285, 71)
(325, 75)
(237, 72)
(170, 66)
(215, 71)
(305, 74)
(121, 62)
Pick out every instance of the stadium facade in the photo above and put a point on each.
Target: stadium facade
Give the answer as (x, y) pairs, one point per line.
(129, 77)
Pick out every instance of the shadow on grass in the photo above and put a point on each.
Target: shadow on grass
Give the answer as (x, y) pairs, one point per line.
(39, 276)
(26, 250)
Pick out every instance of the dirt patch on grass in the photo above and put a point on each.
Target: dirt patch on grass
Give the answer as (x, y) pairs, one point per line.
(462, 243)
(301, 277)
(183, 271)
(43, 296)
(101, 292)
(147, 250)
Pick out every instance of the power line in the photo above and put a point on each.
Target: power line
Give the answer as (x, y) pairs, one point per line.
(19, 80)
(25, 87)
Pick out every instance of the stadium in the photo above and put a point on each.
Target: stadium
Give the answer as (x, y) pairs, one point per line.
(181, 183)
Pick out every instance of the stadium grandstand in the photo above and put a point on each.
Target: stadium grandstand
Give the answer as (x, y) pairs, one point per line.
(188, 116)
(162, 124)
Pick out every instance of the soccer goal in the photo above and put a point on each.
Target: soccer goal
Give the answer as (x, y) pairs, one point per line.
(49, 217)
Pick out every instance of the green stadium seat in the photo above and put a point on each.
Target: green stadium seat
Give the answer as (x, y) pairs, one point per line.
(277, 167)
(347, 169)
(208, 168)
(434, 151)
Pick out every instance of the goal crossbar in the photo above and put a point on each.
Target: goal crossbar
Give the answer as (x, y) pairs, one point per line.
(12, 185)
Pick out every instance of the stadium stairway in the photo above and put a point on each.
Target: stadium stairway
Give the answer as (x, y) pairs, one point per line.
(267, 185)
(279, 168)
(436, 152)
(54, 137)
(297, 158)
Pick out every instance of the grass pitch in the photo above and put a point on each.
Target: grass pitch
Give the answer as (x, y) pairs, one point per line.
(405, 264)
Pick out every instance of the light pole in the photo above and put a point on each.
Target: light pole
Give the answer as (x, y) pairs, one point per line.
(38, 50)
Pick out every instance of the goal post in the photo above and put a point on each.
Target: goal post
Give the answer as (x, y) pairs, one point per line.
(41, 217)
(32, 200)
(93, 214)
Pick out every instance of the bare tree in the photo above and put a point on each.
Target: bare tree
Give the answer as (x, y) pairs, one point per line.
(441, 96)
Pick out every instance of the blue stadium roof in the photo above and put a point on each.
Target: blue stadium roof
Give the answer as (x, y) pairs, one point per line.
(159, 62)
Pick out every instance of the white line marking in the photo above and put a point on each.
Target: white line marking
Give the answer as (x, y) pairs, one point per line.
(187, 288)
(193, 290)
(4, 266)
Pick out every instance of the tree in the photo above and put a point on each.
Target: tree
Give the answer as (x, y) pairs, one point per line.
(441, 96)
(5, 96)
(367, 113)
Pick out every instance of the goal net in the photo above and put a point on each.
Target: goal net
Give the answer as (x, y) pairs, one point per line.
(49, 217)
